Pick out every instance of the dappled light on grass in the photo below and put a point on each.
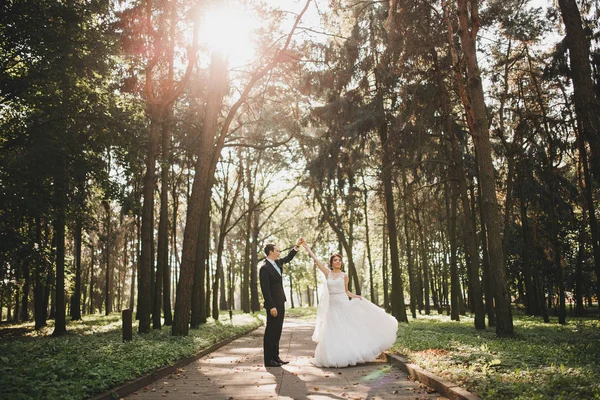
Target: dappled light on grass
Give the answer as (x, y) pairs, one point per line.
(93, 357)
(541, 361)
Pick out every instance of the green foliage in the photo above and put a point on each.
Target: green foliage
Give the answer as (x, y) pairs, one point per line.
(544, 361)
(93, 358)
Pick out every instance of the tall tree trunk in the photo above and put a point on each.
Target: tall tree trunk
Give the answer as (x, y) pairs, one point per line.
(368, 242)
(256, 212)
(587, 105)
(531, 293)
(24, 309)
(398, 305)
(409, 255)
(76, 299)
(454, 279)
(490, 308)
(107, 282)
(245, 292)
(424, 260)
(197, 226)
(223, 291)
(226, 212)
(145, 271)
(60, 322)
(384, 267)
(162, 283)
(174, 250)
(38, 293)
(591, 210)
(472, 254)
(476, 112)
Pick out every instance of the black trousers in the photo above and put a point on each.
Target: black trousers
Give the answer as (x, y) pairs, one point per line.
(273, 334)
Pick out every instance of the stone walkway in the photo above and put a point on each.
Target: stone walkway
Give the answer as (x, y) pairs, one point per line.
(236, 371)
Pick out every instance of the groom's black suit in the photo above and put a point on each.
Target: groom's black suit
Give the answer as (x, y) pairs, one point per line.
(271, 284)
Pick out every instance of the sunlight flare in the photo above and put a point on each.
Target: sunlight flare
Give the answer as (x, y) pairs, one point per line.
(230, 29)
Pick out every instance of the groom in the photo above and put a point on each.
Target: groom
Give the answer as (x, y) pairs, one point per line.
(271, 284)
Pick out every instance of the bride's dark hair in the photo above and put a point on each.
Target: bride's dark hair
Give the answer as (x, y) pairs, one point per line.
(331, 260)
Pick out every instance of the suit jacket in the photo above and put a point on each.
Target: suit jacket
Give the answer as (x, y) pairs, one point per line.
(271, 283)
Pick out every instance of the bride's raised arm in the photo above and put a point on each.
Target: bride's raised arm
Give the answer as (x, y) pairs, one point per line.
(321, 266)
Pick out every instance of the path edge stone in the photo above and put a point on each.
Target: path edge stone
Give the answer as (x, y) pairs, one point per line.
(134, 385)
(443, 387)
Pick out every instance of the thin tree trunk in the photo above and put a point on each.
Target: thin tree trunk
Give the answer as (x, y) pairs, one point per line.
(76, 299)
(384, 267)
(60, 322)
(454, 280)
(398, 305)
(38, 293)
(162, 283)
(253, 269)
(134, 267)
(24, 309)
(409, 255)
(107, 288)
(245, 293)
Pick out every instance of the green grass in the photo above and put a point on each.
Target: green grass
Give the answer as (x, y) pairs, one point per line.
(542, 361)
(92, 358)
(303, 313)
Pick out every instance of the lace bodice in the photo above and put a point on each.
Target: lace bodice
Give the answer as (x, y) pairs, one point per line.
(336, 287)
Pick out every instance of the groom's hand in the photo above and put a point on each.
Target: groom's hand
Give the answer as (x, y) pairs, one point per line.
(273, 312)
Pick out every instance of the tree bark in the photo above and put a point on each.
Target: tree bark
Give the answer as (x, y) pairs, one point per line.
(162, 284)
(475, 109)
(454, 280)
(60, 322)
(193, 253)
(146, 257)
(587, 105)
(398, 305)
(76, 299)
(409, 255)
(38, 293)
(472, 254)
(107, 288)
(384, 267)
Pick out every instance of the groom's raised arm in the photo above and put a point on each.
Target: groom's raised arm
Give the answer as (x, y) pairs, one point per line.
(293, 251)
(290, 256)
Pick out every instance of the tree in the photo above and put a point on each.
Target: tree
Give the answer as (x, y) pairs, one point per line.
(476, 114)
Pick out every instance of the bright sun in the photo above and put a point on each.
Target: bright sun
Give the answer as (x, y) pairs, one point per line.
(230, 29)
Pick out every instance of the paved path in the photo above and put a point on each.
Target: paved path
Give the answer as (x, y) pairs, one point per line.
(236, 371)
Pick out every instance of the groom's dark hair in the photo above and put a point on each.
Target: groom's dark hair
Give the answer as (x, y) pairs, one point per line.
(269, 248)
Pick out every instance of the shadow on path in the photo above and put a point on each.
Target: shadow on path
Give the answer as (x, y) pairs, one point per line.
(236, 371)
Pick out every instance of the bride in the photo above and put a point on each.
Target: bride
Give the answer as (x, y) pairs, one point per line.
(348, 331)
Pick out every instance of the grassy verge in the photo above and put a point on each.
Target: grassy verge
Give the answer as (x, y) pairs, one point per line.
(92, 358)
(542, 361)
(303, 313)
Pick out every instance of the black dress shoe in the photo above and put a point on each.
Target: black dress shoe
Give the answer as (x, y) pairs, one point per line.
(272, 363)
(280, 361)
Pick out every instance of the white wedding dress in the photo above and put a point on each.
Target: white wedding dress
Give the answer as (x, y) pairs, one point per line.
(350, 331)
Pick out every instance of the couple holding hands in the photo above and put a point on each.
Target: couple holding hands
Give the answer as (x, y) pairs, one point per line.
(349, 329)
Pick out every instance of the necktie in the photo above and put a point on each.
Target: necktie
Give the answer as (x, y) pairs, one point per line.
(276, 267)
